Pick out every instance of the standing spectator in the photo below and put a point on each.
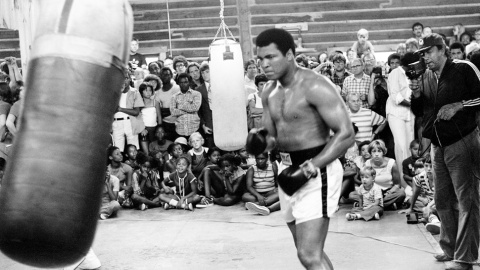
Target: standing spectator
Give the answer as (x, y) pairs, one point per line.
(401, 49)
(136, 59)
(205, 111)
(193, 70)
(185, 105)
(151, 116)
(362, 45)
(394, 60)
(164, 97)
(427, 30)
(411, 45)
(369, 62)
(399, 115)
(255, 107)
(127, 121)
(466, 38)
(179, 65)
(351, 54)
(338, 77)
(417, 30)
(359, 83)
(364, 119)
(457, 51)
(458, 29)
(448, 97)
(251, 70)
(323, 57)
(154, 68)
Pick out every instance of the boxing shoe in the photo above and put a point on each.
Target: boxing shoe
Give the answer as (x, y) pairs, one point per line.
(256, 141)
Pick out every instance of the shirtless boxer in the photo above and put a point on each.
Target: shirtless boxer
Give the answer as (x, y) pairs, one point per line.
(300, 109)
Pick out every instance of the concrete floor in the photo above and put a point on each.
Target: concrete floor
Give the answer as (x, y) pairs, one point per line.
(234, 238)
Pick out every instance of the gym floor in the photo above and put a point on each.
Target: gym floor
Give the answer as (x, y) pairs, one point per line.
(234, 238)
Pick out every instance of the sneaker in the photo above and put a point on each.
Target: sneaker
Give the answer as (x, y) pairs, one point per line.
(205, 202)
(166, 206)
(103, 216)
(143, 207)
(433, 227)
(189, 207)
(262, 210)
(376, 216)
(355, 204)
(350, 216)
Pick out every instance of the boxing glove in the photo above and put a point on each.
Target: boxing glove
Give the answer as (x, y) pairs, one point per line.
(291, 179)
(257, 141)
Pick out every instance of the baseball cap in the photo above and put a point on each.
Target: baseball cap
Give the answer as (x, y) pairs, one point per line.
(181, 140)
(429, 41)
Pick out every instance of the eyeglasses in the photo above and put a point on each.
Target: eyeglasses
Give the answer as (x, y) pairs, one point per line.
(357, 66)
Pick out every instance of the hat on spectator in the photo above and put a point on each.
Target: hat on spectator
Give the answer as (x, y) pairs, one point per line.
(474, 46)
(181, 140)
(429, 41)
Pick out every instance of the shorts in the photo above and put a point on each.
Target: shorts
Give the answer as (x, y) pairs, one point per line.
(313, 200)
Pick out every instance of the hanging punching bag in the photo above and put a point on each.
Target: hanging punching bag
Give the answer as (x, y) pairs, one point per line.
(50, 197)
(228, 95)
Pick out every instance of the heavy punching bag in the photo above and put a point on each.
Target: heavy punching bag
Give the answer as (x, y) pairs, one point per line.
(50, 197)
(229, 113)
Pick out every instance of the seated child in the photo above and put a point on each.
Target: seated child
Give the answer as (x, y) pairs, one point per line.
(175, 150)
(422, 199)
(408, 164)
(213, 155)
(180, 187)
(371, 198)
(360, 160)
(225, 187)
(110, 205)
(158, 148)
(362, 45)
(124, 174)
(246, 159)
(145, 195)
(198, 154)
(131, 156)
(262, 193)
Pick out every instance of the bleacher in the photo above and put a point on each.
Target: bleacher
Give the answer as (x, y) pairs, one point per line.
(331, 24)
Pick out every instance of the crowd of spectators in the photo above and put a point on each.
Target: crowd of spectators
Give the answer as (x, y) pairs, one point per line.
(163, 152)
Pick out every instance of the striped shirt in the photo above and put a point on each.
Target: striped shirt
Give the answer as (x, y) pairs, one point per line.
(421, 181)
(365, 119)
(361, 87)
(263, 180)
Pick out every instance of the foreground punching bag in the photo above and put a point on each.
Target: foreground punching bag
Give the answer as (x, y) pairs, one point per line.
(50, 197)
(229, 113)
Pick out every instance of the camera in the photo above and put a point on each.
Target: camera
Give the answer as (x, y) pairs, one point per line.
(416, 69)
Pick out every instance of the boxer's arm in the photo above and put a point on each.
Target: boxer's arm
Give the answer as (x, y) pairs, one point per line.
(267, 120)
(323, 96)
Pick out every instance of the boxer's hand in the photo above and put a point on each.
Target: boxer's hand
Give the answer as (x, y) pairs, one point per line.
(449, 110)
(309, 170)
(257, 141)
(291, 179)
(415, 86)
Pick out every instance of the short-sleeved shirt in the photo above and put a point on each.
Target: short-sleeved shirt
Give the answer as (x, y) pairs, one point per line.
(407, 166)
(137, 59)
(365, 119)
(120, 172)
(421, 181)
(15, 109)
(361, 87)
(182, 185)
(369, 196)
(115, 183)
